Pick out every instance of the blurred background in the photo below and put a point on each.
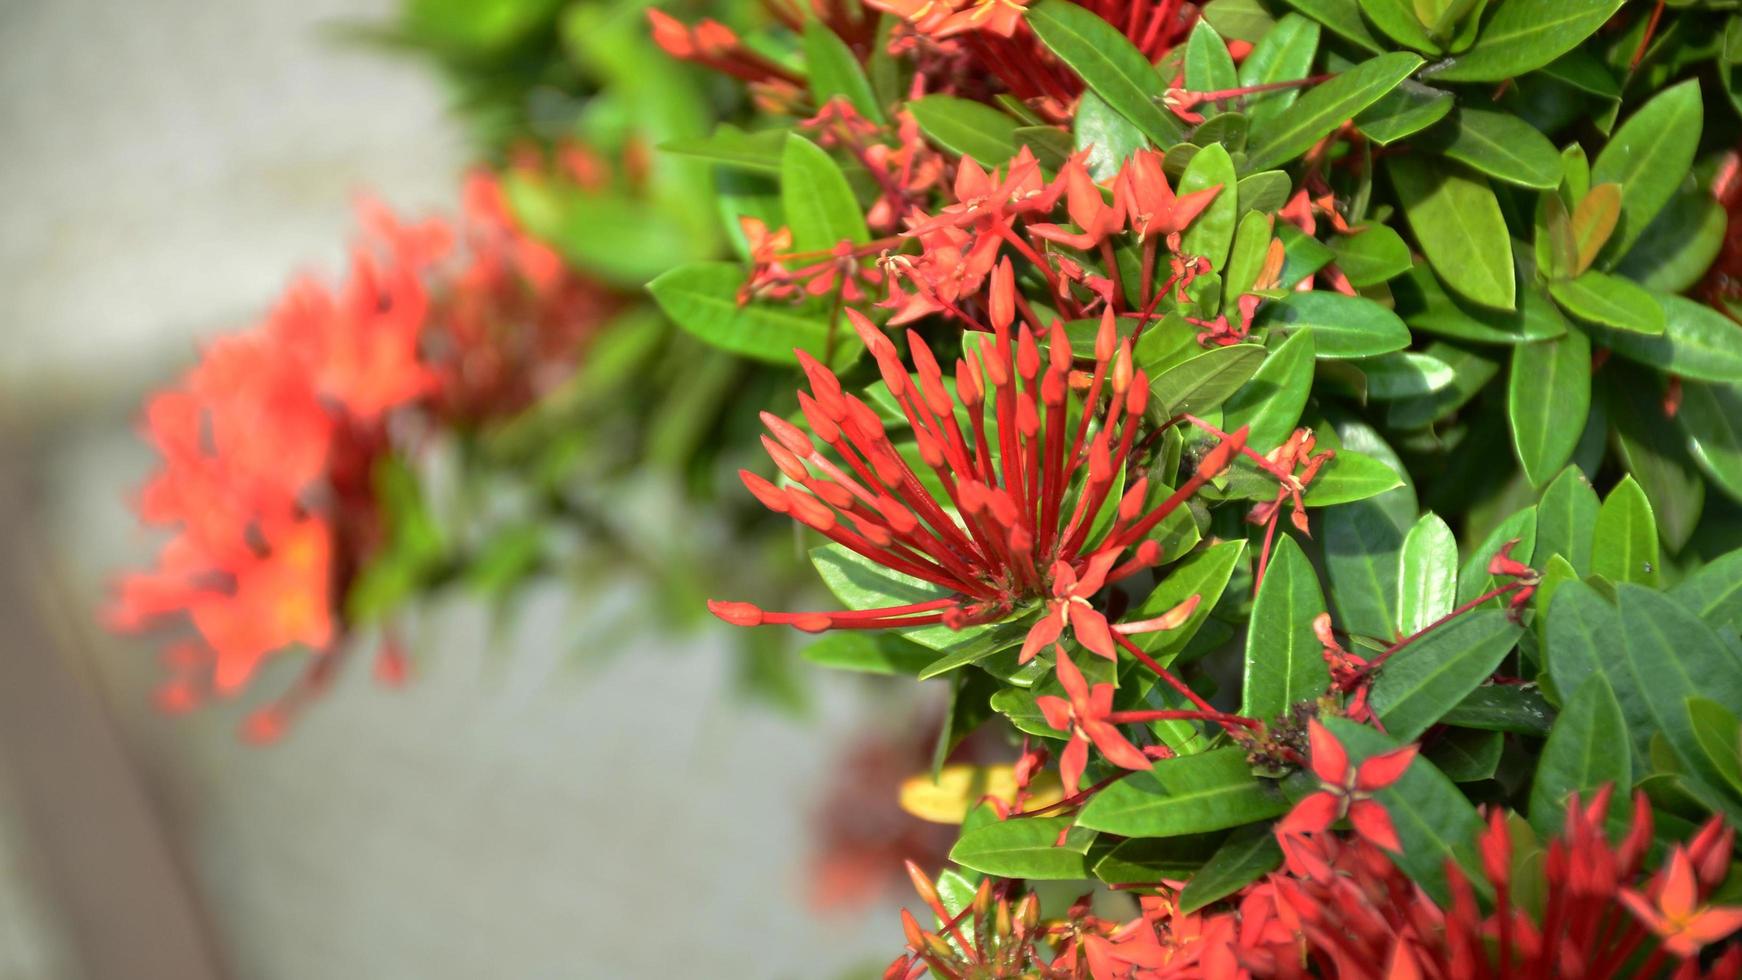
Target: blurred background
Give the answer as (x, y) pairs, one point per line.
(522, 807)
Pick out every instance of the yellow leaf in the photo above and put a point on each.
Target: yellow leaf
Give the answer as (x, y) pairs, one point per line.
(960, 787)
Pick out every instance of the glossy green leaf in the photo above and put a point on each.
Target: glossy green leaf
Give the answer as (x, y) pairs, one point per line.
(1471, 372)
(1610, 301)
(1653, 449)
(1565, 519)
(1548, 395)
(1108, 64)
(1434, 821)
(1109, 137)
(1526, 34)
(1374, 254)
(1404, 374)
(819, 205)
(869, 652)
(1674, 657)
(1285, 663)
(1278, 139)
(1142, 860)
(1498, 144)
(1349, 477)
(1271, 403)
(1716, 730)
(1239, 20)
(1344, 19)
(1509, 708)
(969, 129)
(1026, 848)
(1284, 54)
(1266, 191)
(1206, 380)
(1252, 239)
(1190, 794)
(1204, 573)
(835, 71)
(1396, 19)
(1427, 579)
(1425, 305)
(1209, 67)
(1648, 156)
(1342, 326)
(1457, 223)
(1697, 342)
(1466, 755)
(702, 298)
(1580, 755)
(1406, 110)
(1714, 592)
(1423, 680)
(1711, 416)
(1679, 245)
(1212, 232)
(1244, 856)
(1624, 548)
(1362, 545)
(729, 145)
(1473, 577)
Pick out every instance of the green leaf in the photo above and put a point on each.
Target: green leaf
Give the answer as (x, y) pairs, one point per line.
(757, 152)
(1206, 380)
(1265, 191)
(1466, 755)
(1362, 545)
(1580, 754)
(1427, 577)
(1244, 856)
(1246, 259)
(1348, 477)
(1435, 822)
(820, 207)
(1526, 34)
(967, 129)
(1648, 156)
(1239, 20)
(1108, 64)
(1423, 680)
(1471, 372)
(1711, 415)
(1190, 794)
(1548, 396)
(1209, 66)
(1674, 657)
(1457, 223)
(1498, 144)
(1677, 248)
(1625, 546)
(1278, 139)
(1342, 326)
(1473, 578)
(1508, 708)
(1610, 301)
(1654, 451)
(869, 652)
(1026, 847)
(1284, 54)
(1404, 374)
(1110, 137)
(702, 298)
(1204, 573)
(1372, 255)
(1285, 663)
(1714, 592)
(1405, 111)
(834, 71)
(1212, 231)
(1426, 306)
(1397, 19)
(1697, 342)
(1584, 640)
(1565, 519)
(1142, 860)
(644, 240)
(1271, 402)
(1343, 17)
(1716, 730)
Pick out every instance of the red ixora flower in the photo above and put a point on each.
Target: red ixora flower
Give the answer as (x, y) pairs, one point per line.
(1346, 791)
(1014, 524)
(1083, 714)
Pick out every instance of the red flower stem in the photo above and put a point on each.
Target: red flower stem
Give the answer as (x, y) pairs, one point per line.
(1071, 801)
(1163, 673)
(1448, 617)
(1234, 93)
(1645, 39)
(1132, 717)
(1146, 282)
(1112, 263)
(1264, 552)
(1267, 465)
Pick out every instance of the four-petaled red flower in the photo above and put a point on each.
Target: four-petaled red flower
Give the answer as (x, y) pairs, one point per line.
(1673, 911)
(1083, 714)
(1347, 791)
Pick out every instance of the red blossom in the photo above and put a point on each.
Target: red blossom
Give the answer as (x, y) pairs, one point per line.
(1083, 715)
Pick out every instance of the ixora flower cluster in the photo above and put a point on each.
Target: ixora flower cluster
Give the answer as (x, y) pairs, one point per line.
(1126, 284)
(279, 445)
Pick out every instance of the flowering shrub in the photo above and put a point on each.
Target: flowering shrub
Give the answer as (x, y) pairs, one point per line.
(1052, 312)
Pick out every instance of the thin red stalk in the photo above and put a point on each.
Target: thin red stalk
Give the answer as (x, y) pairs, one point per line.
(1495, 593)
(1163, 673)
